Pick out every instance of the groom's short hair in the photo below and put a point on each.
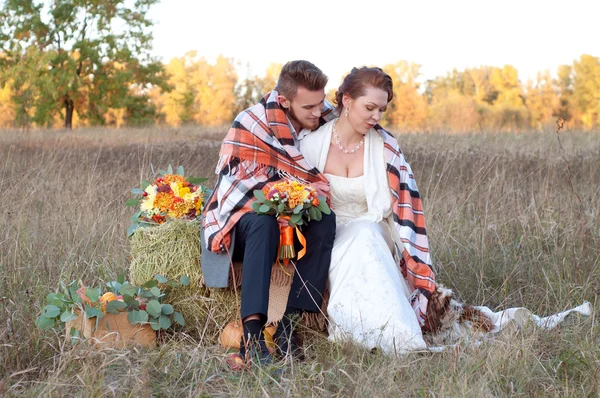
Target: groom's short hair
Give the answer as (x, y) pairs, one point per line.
(300, 73)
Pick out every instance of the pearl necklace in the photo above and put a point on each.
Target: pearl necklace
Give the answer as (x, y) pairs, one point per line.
(337, 141)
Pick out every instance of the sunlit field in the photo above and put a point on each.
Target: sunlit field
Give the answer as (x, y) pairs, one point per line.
(513, 220)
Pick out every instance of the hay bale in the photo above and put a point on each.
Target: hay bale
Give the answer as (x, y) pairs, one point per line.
(207, 313)
(171, 249)
(217, 310)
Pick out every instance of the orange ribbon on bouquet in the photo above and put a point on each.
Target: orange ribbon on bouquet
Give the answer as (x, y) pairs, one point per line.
(286, 244)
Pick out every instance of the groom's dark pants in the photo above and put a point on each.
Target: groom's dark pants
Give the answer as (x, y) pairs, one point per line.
(256, 243)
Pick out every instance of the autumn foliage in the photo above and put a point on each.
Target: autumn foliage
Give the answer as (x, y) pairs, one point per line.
(72, 68)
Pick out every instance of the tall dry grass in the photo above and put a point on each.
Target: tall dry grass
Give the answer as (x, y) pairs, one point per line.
(505, 226)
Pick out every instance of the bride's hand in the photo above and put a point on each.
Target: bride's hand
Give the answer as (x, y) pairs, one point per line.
(283, 222)
(321, 188)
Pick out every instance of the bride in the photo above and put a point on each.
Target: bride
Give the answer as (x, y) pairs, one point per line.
(380, 276)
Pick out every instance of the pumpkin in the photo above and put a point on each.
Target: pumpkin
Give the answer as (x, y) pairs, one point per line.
(231, 335)
(106, 298)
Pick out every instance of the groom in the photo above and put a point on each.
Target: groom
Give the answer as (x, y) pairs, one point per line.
(258, 151)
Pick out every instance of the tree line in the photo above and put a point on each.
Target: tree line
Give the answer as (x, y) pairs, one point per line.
(84, 62)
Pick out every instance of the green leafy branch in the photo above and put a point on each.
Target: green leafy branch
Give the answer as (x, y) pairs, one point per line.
(144, 304)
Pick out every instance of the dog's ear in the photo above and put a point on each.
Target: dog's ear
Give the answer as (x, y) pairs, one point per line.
(437, 306)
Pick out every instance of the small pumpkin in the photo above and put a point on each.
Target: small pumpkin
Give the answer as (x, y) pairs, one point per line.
(106, 298)
(231, 335)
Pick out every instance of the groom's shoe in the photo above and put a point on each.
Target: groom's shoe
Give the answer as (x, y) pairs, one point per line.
(254, 351)
(286, 338)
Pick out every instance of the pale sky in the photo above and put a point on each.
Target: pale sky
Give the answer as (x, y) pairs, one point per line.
(532, 35)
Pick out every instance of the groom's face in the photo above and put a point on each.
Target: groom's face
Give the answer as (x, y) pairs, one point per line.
(304, 110)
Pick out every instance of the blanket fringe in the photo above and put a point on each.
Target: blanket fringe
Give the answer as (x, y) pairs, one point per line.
(223, 161)
(285, 175)
(246, 166)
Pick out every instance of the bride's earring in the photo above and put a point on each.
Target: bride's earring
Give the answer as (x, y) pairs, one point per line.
(346, 112)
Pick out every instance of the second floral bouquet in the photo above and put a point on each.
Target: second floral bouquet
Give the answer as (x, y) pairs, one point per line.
(296, 202)
(169, 196)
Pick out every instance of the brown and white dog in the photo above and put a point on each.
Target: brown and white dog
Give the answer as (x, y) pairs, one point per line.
(449, 320)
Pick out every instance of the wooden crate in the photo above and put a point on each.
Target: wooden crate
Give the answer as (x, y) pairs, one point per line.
(114, 330)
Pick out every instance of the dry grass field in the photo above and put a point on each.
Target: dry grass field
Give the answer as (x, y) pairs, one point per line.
(513, 220)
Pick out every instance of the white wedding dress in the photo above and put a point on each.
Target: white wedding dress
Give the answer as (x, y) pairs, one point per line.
(369, 298)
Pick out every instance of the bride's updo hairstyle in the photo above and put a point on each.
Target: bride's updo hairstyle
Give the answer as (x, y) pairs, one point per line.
(357, 81)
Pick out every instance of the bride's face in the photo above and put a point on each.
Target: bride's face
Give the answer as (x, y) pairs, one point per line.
(366, 111)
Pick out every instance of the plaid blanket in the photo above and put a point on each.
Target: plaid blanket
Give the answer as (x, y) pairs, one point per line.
(258, 151)
(409, 221)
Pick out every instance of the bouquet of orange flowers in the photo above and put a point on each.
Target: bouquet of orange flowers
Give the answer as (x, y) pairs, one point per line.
(296, 202)
(169, 196)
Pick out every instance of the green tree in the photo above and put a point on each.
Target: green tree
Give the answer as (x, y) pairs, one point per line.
(97, 56)
(27, 88)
